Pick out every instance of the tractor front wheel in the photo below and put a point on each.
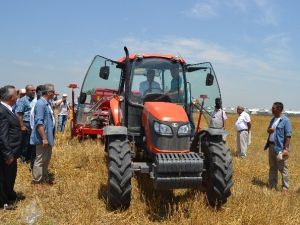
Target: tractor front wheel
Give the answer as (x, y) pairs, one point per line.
(217, 178)
(119, 174)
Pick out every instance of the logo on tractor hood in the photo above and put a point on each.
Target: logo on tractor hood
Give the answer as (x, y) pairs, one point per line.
(174, 124)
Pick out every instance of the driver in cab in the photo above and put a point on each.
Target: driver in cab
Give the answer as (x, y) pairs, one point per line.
(176, 83)
(149, 85)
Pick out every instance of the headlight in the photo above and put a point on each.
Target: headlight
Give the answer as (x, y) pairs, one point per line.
(184, 130)
(162, 129)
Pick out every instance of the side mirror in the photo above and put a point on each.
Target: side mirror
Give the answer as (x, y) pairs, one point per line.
(104, 72)
(82, 98)
(209, 79)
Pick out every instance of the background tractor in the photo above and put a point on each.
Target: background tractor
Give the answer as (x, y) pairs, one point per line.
(151, 131)
(92, 115)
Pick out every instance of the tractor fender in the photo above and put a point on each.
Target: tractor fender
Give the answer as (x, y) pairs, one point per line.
(211, 132)
(116, 113)
(215, 131)
(214, 134)
(114, 130)
(209, 135)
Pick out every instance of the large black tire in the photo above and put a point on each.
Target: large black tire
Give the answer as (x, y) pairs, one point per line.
(217, 179)
(119, 174)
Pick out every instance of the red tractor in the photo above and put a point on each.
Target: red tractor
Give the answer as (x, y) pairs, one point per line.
(151, 129)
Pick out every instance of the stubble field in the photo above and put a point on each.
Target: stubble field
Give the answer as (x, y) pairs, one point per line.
(79, 193)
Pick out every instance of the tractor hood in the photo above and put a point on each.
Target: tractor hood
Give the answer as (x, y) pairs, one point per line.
(165, 111)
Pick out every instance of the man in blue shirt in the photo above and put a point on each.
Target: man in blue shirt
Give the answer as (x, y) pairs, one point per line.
(149, 85)
(43, 135)
(22, 110)
(176, 79)
(280, 132)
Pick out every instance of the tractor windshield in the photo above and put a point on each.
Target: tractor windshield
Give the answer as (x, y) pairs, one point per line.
(204, 86)
(95, 91)
(157, 75)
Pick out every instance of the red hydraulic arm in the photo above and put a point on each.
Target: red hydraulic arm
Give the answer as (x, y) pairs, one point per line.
(73, 86)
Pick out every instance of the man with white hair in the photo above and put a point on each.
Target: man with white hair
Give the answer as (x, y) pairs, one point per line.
(63, 113)
(10, 144)
(243, 126)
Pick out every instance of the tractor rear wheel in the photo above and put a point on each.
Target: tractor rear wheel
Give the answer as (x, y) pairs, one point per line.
(217, 178)
(119, 174)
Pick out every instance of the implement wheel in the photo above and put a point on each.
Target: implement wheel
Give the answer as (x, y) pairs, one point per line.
(119, 174)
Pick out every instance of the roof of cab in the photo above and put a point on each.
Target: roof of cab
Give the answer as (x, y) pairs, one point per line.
(152, 55)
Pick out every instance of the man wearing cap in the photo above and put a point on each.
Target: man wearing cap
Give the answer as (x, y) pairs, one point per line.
(63, 113)
(23, 109)
(243, 126)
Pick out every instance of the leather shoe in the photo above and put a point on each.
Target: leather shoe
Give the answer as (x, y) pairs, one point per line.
(9, 207)
(36, 182)
(18, 197)
(49, 182)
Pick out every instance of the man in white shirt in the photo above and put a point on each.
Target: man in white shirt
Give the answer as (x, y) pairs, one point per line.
(218, 117)
(63, 113)
(243, 126)
(149, 85)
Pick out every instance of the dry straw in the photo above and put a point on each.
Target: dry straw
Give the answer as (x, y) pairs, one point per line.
(79, 193)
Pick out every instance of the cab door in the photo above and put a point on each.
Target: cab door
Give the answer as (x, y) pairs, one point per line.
(102, 79)
(204, 86)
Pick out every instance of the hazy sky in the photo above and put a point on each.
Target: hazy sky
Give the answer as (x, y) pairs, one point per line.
(252, 44)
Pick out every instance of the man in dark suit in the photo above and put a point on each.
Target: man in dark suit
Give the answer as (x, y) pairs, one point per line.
(10, 145)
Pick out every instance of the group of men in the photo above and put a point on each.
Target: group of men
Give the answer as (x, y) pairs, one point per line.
(27, 127)
(278, 141)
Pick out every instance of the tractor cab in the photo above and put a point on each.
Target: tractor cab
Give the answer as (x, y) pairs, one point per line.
(167, 78)
(155, 78)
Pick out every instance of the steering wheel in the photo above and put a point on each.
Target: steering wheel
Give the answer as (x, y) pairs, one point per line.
(150, 90)
(175, 96)
(156, 97)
